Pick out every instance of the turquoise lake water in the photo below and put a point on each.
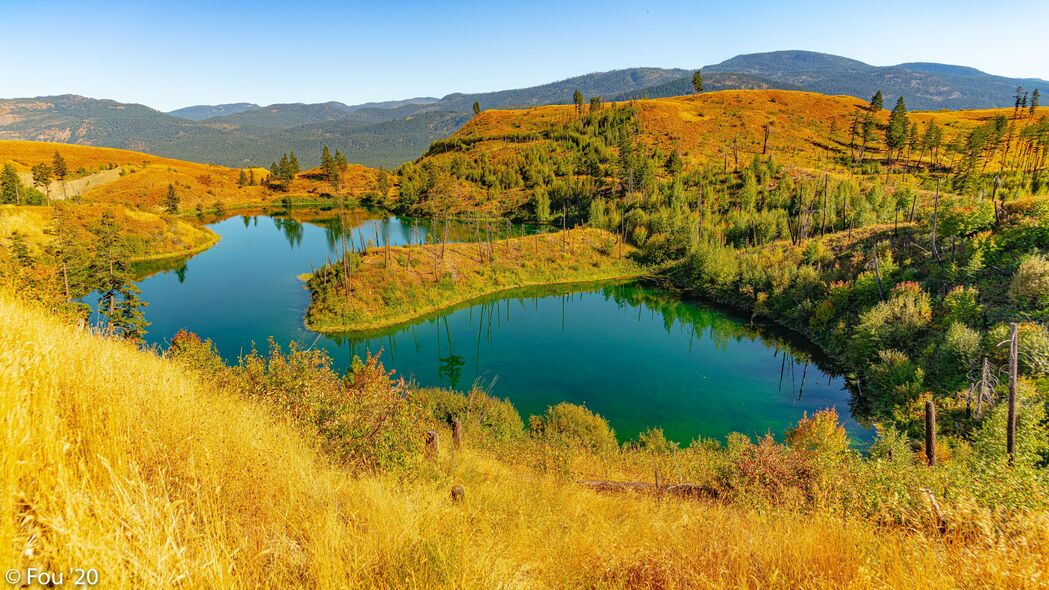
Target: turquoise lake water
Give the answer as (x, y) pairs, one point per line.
(635, 354)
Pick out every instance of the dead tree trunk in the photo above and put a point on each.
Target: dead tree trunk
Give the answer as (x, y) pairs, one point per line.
(1010, 427)
(930, 433)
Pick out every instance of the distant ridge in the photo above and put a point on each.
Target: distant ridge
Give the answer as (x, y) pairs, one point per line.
(206, 111)
(389, 133)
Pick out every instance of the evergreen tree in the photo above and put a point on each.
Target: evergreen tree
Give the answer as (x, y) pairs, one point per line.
(274, 171)
(41, 175)
(477, 108)
(877, 102)
(171, 200)
(293, 164)
(577, 98)
(251, 177)
(20, 249)
(58, 166)
(242, 180)
(118, 302)
(330, 167)
(10, 186)
(383, 183)
(68, 251)
(1019, 97)
(595, 104)
(340, 161)
(1023, 101)
(1035, 97)
(697, 82)
(284, 168)
(896, 132)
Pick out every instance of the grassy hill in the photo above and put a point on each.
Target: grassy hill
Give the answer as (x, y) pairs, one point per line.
(141, 180)
(212, 484)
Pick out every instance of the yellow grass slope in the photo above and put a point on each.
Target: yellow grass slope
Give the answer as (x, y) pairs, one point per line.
(148, 236)
(805, 128)
(137, 179)
(116, 460)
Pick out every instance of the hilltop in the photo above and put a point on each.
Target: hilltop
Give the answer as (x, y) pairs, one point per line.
(390, 133)
(501, 159)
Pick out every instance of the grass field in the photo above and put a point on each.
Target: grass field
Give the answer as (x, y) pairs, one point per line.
(118, 460)
(388, 288)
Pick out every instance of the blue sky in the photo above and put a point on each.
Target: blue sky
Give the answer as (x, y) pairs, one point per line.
(173, 54)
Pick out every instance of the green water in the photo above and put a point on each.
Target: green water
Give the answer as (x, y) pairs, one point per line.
(638, 356)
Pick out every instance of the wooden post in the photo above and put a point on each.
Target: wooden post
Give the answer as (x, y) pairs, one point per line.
(930, 433)
(431, 444)
(457, 433)
(1010, 427)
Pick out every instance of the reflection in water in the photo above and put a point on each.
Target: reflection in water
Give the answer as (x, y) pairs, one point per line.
(638, 356)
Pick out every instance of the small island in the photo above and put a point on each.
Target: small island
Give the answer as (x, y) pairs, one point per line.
(386, 285)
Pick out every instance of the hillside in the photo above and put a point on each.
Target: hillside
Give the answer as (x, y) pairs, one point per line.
(389, 133)
(500, 160)
(207, 111)
(926, 86)
(140, 180)
(213, 487)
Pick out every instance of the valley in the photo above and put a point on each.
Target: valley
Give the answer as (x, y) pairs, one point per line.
(731, 327)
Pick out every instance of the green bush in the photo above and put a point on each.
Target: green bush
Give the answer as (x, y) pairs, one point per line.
(575, 426)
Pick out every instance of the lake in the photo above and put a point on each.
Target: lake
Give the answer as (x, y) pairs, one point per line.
(638, 356)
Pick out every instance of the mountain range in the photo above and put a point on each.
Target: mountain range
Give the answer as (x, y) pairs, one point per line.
(392, 132)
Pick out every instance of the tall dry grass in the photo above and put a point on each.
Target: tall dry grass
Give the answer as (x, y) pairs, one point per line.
(118, 460)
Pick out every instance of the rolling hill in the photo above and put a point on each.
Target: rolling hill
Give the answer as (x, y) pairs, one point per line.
(390, 133)
(926, 86)
(207, 111)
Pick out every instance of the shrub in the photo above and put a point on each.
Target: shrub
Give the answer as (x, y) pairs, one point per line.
(1030, 284)
(961, 305)
(822, 433)
(576, 426)
(896, 323)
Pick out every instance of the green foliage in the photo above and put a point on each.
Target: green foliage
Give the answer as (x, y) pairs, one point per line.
(574, 425)
(1029, 287)
(171, 200)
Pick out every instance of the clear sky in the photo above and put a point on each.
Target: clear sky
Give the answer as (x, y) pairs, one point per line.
(173, 54)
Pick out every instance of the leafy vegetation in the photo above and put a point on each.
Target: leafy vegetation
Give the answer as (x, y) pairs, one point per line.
(389, 285)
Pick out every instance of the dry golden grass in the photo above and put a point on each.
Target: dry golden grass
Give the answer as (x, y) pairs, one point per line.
(147, 235)
(706, 127)
(409, 282)
(117, 460)
(142, 180)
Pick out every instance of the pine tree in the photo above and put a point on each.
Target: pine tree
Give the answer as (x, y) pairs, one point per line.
(595, 104)
(171, 200)
(330, 167)
(1019, 97)
(293, 164)
(274, 171)
(10, 186)
(251, 177)
(896, 132)
(1023, 101)
(697, 81)
(118, 301)
(1035, 97)
(20, 249)
(41, 176)
(242, 180)
(577, 98)
(284, 168)
(69, 253)
(340, 161)
(477, 108)
(877, 102)
(58, 166)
